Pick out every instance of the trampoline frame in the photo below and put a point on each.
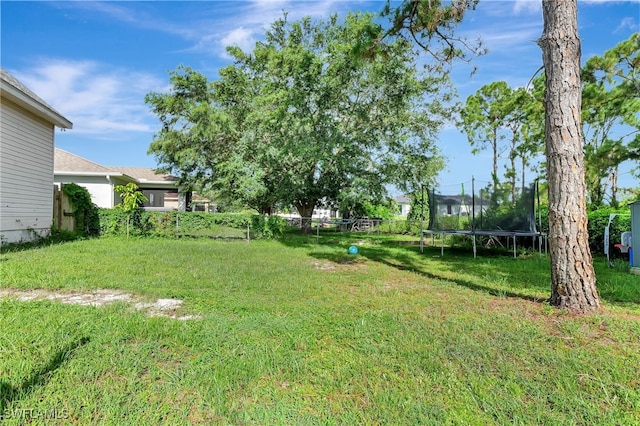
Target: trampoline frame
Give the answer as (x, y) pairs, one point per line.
(514, 234)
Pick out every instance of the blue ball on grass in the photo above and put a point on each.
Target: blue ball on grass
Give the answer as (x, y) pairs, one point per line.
(353, 250)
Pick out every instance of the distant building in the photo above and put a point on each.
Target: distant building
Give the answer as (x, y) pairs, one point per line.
(160, 189)
(404, 203)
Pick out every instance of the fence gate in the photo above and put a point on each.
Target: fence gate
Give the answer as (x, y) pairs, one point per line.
(64, 218)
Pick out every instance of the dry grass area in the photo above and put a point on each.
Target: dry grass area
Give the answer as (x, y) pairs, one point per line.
(160, 308)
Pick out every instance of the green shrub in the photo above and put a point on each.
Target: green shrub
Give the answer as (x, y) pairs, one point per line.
(401, 227)
(85, 212)
(171, 224)
(598, 220)
(112, 222)
(268, 227)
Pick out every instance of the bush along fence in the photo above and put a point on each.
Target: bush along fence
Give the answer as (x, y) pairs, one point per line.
(236, 225)
(255, 226)
(85, 213)
(191, 224)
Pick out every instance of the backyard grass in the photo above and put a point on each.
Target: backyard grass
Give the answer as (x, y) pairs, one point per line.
(301, 332)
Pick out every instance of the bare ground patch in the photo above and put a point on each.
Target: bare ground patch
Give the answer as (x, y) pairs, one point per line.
(160, 308)
(342, 264)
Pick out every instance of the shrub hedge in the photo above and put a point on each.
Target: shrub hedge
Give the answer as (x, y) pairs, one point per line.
(598, 220)
(170, 224)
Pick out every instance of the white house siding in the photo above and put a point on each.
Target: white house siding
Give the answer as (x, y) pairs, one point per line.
(26, 174)
(101, 188)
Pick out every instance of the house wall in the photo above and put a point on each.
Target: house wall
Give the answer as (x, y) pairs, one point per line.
(404, 209)
(26, 174)
(100, 188)
(155, 197)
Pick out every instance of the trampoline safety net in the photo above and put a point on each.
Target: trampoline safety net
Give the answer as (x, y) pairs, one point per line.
(486, 209)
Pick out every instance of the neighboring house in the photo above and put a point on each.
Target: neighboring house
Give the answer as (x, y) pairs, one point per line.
(27, 133)
(157, 187)
(320, 213)
(161, 190)
(453, 205)
(446, 205)
(404, 203)
(100, 181)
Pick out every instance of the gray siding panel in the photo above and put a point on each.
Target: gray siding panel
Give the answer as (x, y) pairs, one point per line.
(26, 171)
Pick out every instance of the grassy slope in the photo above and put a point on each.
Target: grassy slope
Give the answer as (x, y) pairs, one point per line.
(302, 333)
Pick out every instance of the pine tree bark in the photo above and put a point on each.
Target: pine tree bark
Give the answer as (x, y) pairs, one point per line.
(573, 281)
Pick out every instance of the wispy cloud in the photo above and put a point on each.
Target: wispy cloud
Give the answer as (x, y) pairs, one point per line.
(527, 6)
(142, 16)
(511, 37)
(252, 19)
(243, 24)
(100, 101)
(241, 37)
(628, 23)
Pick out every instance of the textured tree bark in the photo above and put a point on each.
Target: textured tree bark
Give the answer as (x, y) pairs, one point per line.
(305, 209)
(573, 281)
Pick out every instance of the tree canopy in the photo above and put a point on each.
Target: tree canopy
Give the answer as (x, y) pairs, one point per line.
(610, 115)
(510, 122)
(504, 120)
(302, 120)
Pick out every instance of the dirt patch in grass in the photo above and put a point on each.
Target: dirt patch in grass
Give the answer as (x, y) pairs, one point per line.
(341, 264)
(160, 308)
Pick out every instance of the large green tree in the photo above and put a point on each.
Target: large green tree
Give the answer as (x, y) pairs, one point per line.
(484, 119)
(610, 114)
(304, 118)
(498, 117)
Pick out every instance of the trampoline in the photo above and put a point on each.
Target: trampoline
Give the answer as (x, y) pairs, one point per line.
(484, 213)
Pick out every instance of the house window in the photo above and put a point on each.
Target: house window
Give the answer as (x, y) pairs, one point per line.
(449, 209)
(151, 199)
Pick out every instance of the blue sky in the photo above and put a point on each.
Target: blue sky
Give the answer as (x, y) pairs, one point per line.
(95, 61)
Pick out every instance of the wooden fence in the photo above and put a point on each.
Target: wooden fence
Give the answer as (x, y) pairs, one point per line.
(64, 218)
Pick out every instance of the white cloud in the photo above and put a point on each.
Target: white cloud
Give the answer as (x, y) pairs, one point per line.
(527, 6)
(99, 101)
(252, 19)
(608, 1)
(242, 23)
(506, 36)
(627, 23)
(241, 37)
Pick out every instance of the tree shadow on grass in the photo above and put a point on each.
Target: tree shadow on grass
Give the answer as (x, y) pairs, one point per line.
(519, 277)
(9, 394)
(404, 259)
(56, 239)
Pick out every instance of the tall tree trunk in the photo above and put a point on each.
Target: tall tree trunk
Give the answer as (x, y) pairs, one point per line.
(514, 175)
(524, 164)
(573, 280)
(305, 209)
(614, 188)
(494, 145)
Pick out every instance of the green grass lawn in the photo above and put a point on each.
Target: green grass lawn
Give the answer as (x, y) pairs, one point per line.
(300, 332)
